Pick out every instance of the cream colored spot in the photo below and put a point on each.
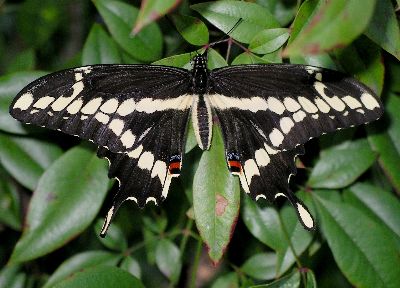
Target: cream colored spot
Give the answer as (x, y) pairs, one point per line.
(286, 124)
(334, 101)
(131, 198)
(150, 105)
(276, 137)
(307, 105)
(369, 101)
(160, 170)
(128, 139)
(315, 116)
(352, 102)
(136, 153)
(322, 106)
(275, 105)
(222, 102)
(262, 157)
(318, 76)
(84, 117)
(167, 183)
(299, 116)
(43, 102)
(311, 69)
(63, 102)
(270, 150)
(103, 118)
(279, 195)
(346, 113)
(146, 161)
(151, 199)
(243, 182)
(291, 104)
(78, 77)
(360, 111)
(116, 125)
(250, 170)
(110, 106)
(92, 106)
(75, 106)
(126, 107)
(24, 101)
(305, 216)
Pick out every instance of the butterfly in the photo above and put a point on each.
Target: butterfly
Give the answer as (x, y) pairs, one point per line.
(138, 115)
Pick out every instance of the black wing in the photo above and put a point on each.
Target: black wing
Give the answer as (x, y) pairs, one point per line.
(289, 104)
(145, 173)
(114, 106)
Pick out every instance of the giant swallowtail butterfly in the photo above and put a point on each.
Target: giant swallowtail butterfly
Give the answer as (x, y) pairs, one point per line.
(138, 116)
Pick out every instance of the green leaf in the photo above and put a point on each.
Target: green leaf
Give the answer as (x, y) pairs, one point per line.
(382, 206)
(297, 239)
(10, 85)
(386, 143)
(10, 205)
(115, 239)
(260, 266)
(383, 28)
(364, 251)
(341, 165)
(229, 280)
(168, 258)
(180, 60)
(269, 40)
(215, 60)
(335, 24)
(225, 14)
(131, 265)
(363, 58)
(263, 224)
(67, 199)
(100, 48)
(284, 11)
(101, 277)
(8, 275)
(310, 280)
(248, 58)
(289, 281)
(79, 262)
(151, 10)
(216, 198)
(119, 18)
(26, 159)
(192, 29)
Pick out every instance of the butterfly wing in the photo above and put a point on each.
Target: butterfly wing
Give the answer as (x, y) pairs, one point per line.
(145, 173)
(289, 104)
(114, 106)
(264, 172)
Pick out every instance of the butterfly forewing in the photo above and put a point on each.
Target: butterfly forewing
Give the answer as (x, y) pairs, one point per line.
(112, 105)
(289, 104)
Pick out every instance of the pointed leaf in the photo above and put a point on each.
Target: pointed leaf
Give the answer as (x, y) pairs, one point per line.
(229, 280)
(132, 266)
(151, 10)
(100, 48)
(383, 28)
(289, 281)
(215, 60)
(119, 18)
(269, 40)
(101, 277)
(26, 159)
(364, 251)
(81, 261)
(225, 14)
(382, 205)
(180, 60)
(192, 29)
(10, 206)
(335, 24)
(260, 266)
(168, 258)
(10, 85)
(216, 198)
(68, 197)
(341, 165)
(248, 58)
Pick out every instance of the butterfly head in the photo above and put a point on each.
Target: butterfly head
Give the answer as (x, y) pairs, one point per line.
(200, 74)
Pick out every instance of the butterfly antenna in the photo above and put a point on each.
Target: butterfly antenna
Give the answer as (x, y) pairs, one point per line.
(223, 39)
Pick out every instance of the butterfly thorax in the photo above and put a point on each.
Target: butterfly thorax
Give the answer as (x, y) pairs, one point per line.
(201, 109)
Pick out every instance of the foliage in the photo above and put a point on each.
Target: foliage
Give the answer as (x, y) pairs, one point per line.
(52, 188)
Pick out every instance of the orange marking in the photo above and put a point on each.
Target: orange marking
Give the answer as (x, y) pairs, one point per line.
(235, 164)
(175, 165)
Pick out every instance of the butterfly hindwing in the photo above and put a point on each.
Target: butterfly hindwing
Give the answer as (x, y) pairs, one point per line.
(289, 104)
(145, 173)
(112, 105)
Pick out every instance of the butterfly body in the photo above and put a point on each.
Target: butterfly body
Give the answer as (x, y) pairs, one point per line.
(138, 116)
